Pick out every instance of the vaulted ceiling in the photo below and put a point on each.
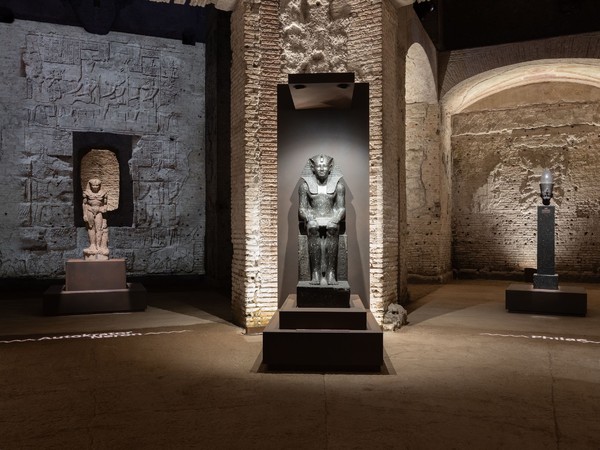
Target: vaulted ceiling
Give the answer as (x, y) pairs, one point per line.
(451, 24)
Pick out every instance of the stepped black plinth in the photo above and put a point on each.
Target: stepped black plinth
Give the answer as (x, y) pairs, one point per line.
(94, 287)
(311, 295)
(323, 338)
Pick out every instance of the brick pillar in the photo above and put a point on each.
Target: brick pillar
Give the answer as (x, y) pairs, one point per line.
(255, 43)
(376, 38)
(369, 43)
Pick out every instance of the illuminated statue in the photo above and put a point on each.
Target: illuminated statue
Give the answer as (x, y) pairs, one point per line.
(94, 205)
(322, 208)
(546, 185)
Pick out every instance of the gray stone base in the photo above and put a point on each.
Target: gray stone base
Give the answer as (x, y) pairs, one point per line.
(94, 287)
(58, 301)
(569, 300)
(323, 338)
(541, 281)
(323, 296)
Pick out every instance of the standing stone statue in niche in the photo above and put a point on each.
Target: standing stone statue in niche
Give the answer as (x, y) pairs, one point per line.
(95, 201)
(321, 212)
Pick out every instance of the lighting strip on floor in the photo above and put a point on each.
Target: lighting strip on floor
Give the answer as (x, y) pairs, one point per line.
(104, 335)
(543, 337)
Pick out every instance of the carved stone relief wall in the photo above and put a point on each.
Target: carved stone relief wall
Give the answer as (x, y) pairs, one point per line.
(58, 80)
(315, 35)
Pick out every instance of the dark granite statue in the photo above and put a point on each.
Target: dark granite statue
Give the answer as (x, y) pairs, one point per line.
(321, 211)
(546, 185)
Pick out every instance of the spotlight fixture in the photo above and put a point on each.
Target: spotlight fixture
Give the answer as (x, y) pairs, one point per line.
(423, 8)
(321, 90)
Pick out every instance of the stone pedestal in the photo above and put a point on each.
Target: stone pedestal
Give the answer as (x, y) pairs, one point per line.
(566, 300)
(333, 296)
(545, 296)
(545, 277)
(94, 287)
(542, 281)
(323, 338)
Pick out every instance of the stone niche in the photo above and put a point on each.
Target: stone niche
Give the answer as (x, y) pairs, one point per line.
(342, 133)
(104, 156)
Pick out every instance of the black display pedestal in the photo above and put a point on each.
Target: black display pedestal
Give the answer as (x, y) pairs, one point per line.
(94, 287)
(545, 296)
(321, 338)
(311, 295)
(566, 300)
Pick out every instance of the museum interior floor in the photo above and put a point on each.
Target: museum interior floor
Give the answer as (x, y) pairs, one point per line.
(464, 374)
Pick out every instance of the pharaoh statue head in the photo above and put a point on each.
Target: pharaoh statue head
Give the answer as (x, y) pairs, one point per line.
(321, 166)
(546, 185)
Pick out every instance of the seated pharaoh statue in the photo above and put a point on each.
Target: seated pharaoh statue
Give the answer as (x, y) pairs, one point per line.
(322, 249)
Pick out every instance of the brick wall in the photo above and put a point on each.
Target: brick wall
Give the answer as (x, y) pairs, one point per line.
(255, 74)
(499, 152)
(57, 80)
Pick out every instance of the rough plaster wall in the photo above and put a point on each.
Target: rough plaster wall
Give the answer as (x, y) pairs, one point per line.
(428, 216)
(59, 79)
(498, 156)
(256, 51)
(426, 236)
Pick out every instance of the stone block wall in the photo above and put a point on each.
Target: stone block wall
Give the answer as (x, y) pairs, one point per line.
(499, 150)
(58, 80)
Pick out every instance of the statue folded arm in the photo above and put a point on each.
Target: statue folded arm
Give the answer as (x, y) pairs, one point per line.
(339, 208)
(305, 210)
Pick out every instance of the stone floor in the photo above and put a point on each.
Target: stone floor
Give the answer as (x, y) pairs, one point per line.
(464, 374)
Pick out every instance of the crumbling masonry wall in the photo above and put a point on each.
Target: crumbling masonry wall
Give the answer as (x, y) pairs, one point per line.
(428, 240)
(500, 146)
(57, 80)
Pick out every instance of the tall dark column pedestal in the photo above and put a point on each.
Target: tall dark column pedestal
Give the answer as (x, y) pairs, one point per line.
(94, 287)
(545, 296)
(323, 338)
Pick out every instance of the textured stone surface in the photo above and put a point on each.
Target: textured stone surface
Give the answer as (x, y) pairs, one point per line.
(103, 165)
(498, 156)
(428, 241)
(355, 36)
(315, 35)
(60, 79)
(255, 73)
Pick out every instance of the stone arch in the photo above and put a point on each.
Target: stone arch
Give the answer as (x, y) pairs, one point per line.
(464, 98)
(420, 78)
(464, 94)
